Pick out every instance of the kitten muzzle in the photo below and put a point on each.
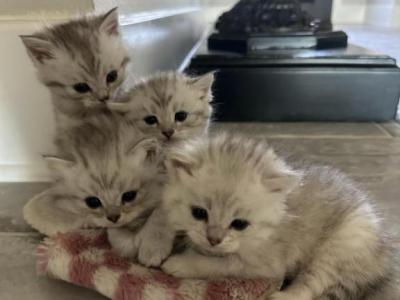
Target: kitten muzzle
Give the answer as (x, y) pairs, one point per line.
(113, 218)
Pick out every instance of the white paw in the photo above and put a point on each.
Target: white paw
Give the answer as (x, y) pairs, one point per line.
(122, 241)
(177, 267)
(287, 296)
(154, 245)
(279, 296)
(152, 252)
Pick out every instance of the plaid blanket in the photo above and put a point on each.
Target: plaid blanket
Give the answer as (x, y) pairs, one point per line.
(85, 258)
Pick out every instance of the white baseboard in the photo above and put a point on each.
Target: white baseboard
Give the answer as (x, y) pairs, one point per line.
(24, 173)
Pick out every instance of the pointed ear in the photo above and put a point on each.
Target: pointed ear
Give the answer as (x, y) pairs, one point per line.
(109, 22)
(38, 48)
(57, 164)
(179, 164)
(203, 83)
(147, 150)
(283, 184)
(121, 107)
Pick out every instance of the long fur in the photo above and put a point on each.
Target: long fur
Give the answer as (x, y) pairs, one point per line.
(104, 158)
(313, 225)
(83, 50)
(163, 95)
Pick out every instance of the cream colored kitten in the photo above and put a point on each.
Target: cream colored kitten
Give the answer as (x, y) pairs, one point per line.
(82, 62)
(169, 106)
(108, 176)
(248, 214)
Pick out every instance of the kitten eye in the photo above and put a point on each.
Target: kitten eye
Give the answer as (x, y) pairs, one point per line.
(180, 116)
(239, 224)
(128, 196)
(82, 88)
(112, 76)
(199, 213)
(93, 202)
(151, 120)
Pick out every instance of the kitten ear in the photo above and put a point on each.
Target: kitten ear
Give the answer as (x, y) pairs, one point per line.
(57, 164)
(145, 150)
(121, 107)
(109, 22)
(178, 163)
(203, 83)
(38, 48)
(283, 184)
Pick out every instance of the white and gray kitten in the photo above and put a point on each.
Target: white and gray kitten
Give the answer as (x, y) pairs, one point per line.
(247, 214)
(169, 106)
(108, 176)
(82, 62)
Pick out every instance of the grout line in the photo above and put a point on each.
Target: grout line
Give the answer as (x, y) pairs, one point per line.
(17, 234)
(314, 137)
(383, 129)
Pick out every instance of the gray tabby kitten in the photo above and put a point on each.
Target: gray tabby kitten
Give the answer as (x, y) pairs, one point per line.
(248, 214)
(108, 176)
(169, 106)
(82, 62)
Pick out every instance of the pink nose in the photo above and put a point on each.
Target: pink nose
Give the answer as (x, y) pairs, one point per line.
(168, 133)
(113, 218)
(214, 240)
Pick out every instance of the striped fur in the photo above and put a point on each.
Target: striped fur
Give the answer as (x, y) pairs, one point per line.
(313, 225)
(83, 50)
(104, 158)
(162, 96)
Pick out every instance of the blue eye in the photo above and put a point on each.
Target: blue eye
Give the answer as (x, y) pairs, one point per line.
(239, 224)
(93, 202)
(112, 76)
(180, 116)
(128, 196)
(151, 120)
(82, 88)
(199, 213)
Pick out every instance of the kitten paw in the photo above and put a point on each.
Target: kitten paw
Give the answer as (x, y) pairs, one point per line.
(176, 266)
(286, 296)
(154, 245)
(122, 241)
(152, 252)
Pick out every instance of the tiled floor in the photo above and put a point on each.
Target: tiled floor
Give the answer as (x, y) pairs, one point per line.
(368, 152)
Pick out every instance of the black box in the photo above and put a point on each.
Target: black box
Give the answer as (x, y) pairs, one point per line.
(345, 84)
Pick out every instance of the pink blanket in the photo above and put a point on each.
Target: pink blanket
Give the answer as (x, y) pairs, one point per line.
(85, 258)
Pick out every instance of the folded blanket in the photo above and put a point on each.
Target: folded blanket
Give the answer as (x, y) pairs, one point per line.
(85, 258)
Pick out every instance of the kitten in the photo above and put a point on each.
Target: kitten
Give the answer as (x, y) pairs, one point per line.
(108, 176)
(82, 62)
(248, 214)
(169, 106)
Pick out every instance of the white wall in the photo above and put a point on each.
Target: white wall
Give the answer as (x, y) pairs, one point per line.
(160, 41)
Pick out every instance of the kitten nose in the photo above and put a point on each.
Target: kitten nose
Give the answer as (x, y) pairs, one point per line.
(168, 133)
(214, 240)
(113, 218)
(104, 99)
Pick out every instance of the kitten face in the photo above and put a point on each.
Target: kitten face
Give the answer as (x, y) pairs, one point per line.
(112, 191)
(83, 60)
(227, 194)
(169, 106)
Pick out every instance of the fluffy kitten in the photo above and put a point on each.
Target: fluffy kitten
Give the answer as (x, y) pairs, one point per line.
(248, 214)
(109, 176)
(82, 62)
(169, 106)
